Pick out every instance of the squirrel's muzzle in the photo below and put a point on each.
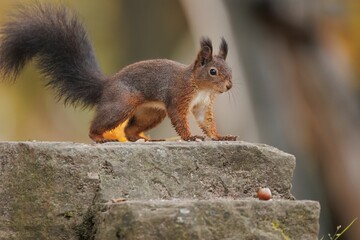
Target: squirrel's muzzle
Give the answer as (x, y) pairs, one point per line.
(228, 86)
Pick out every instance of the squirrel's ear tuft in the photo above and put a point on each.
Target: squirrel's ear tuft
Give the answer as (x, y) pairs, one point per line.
(223, 49)
(205, 54)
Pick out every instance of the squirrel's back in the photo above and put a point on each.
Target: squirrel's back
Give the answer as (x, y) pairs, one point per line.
(158, 76)
(56, 38)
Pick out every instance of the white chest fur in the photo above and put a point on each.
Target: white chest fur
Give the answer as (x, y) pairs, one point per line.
(201, 98)
(200, 104)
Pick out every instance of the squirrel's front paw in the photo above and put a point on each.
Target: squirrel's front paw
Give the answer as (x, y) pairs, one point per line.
(195, 138)
(225, 138)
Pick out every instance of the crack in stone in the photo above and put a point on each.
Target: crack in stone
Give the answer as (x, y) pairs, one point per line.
(226, 190)
(162, 188)
(165, 173)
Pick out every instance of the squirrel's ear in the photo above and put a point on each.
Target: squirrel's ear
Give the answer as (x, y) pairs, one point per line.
(223, 49)
(205, 54)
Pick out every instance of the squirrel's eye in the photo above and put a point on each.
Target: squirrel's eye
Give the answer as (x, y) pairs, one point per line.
(213, 72)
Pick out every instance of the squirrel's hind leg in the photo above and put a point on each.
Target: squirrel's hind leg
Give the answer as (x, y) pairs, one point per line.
(109, 116)
(144, 119)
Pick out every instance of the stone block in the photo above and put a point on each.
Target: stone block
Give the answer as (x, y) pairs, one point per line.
(47, 189)
(209, 219)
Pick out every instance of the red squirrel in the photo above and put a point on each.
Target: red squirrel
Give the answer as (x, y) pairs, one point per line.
(144, 92)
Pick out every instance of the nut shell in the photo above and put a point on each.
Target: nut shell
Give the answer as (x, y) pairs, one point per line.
(264, 194)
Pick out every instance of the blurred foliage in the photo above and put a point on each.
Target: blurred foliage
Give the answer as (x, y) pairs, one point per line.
(345, 24)
(122, 32)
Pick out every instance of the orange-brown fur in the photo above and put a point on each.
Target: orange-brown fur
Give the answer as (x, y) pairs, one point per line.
(147, 91)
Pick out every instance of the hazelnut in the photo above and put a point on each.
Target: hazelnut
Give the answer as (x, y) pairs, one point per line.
(264, 194)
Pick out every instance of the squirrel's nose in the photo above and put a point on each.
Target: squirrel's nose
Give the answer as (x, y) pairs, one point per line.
(228, 85)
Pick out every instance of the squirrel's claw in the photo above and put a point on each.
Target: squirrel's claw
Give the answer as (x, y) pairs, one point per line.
(106, 140)
(225, 138)
(195, 138)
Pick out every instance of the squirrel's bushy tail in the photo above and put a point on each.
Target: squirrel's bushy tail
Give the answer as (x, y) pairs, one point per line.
(56, 38)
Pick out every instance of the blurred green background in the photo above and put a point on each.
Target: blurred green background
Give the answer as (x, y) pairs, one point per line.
(296, 69)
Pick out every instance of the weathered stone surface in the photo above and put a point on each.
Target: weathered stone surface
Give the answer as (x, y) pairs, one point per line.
(211, 219)
(46, 189)
(194, 170)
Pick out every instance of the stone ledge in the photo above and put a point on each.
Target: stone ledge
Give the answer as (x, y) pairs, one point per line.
(209, 219)
(46, 188)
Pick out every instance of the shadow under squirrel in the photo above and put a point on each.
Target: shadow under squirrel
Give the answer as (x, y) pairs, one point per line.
(143, 92)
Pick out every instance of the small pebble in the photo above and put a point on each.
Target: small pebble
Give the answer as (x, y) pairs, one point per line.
(184, 211)
(117, 200)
